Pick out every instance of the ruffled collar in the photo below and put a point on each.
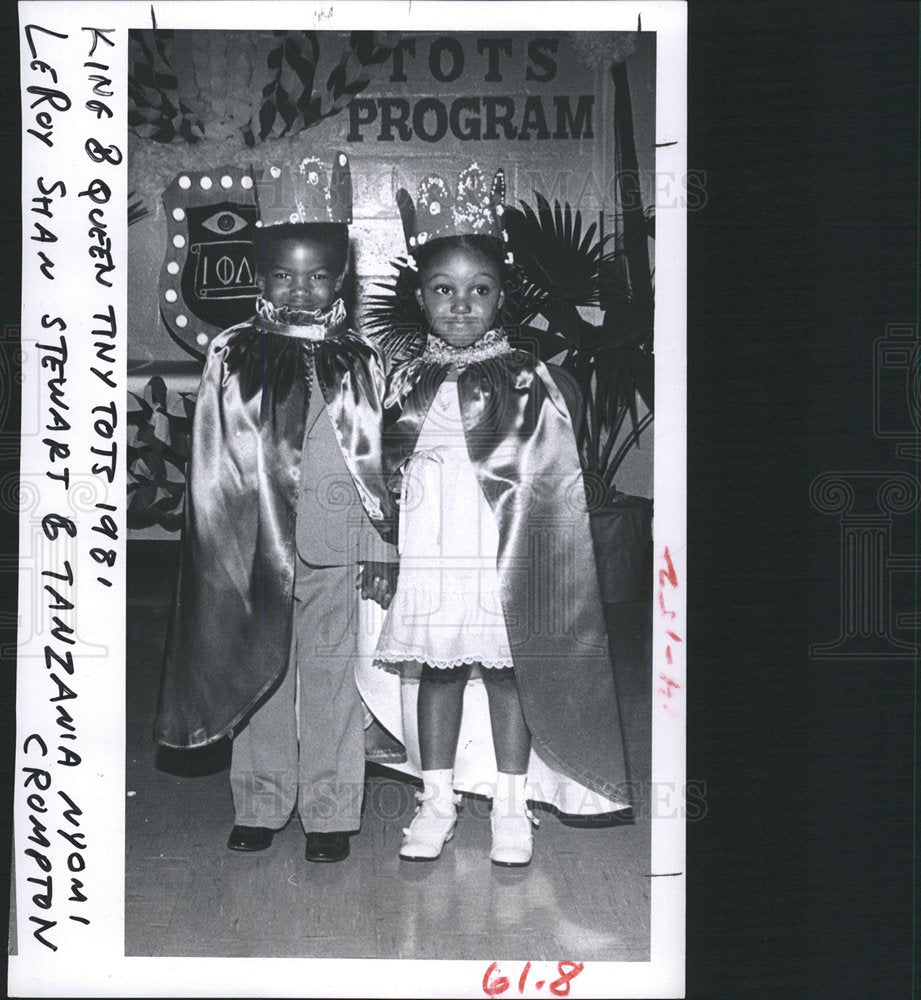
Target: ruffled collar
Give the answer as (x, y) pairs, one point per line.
(492, 344)
(304, 324)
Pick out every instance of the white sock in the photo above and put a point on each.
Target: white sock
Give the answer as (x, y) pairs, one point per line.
(509, 799)
(438, 789)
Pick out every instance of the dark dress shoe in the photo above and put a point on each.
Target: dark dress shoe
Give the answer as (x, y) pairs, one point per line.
(326, 847)
(250, 838)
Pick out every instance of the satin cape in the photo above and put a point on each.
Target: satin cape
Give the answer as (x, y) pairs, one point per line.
(230, 630)
(520, 439)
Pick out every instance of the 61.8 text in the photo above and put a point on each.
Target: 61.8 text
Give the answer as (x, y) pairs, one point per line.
(495, 984)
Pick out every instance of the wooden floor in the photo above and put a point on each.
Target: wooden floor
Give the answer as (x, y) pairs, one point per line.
(585, 895)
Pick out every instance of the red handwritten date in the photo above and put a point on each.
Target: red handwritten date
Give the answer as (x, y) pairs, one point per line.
(668, 583)
(495, 984)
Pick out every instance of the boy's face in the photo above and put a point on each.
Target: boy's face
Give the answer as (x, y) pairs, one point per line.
(301, 274)
(460, 292)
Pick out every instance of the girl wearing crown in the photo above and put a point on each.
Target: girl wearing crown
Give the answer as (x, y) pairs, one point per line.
(284, 483)
(497, 575)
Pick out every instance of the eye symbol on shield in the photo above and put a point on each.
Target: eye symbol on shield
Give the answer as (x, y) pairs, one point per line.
(224, 223)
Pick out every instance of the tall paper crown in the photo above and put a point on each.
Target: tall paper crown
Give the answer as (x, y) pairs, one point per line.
(306, 193)
(476, 209)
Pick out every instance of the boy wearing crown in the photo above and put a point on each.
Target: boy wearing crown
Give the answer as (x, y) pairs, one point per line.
(284, 496)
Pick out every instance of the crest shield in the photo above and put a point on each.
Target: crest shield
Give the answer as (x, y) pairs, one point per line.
(208, 277)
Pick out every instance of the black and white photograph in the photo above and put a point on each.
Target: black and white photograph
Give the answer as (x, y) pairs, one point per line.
(459, 488)
(376, 519)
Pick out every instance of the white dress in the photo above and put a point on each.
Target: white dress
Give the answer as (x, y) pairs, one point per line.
(447, 609)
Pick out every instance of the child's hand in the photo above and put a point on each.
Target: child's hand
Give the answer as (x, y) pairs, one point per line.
(378, 581)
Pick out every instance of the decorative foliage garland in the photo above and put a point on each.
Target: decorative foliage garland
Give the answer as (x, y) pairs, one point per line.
(179, 93)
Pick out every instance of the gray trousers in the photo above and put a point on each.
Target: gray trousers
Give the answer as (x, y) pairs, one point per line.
(318, 761)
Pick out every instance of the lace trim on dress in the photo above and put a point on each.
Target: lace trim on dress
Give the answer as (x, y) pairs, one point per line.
(503, 663)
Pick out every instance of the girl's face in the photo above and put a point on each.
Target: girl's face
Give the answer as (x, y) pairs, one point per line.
(301, 274)
(460, 293)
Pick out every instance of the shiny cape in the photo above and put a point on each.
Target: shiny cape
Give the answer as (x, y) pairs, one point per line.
(230, 630)
(520, 439)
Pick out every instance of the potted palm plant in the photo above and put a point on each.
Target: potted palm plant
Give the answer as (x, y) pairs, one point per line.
(612, 361)
(564, 270)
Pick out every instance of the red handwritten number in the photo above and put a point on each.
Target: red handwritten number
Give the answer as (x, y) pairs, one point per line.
(668, 575)
(560, 987)
(493, 987)
(523, 977)
(494, 984)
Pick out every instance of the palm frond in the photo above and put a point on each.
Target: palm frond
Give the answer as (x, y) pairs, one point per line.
(524, 299)
(137, 210)
(554, 253)
(633, 440)
(393, 319)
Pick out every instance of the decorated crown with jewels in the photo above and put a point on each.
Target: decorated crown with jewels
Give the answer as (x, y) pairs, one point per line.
(475, 210)
(306, 193)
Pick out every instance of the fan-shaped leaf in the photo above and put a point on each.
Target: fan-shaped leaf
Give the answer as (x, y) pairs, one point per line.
(553, 252)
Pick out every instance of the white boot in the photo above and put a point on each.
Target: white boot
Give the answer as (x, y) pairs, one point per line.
(511, 820)
(435, 819)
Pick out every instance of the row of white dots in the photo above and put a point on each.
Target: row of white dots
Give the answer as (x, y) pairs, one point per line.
(171, 295)
(205, 182)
